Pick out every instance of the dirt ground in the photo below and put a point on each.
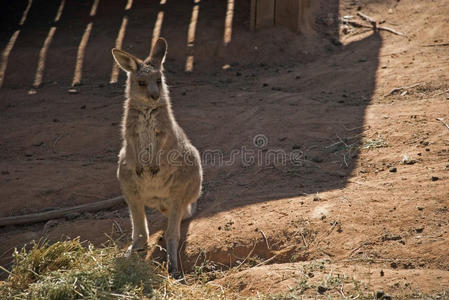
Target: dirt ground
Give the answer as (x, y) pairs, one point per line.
(364, 187)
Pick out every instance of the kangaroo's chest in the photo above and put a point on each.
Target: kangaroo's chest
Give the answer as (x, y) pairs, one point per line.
(147, 132)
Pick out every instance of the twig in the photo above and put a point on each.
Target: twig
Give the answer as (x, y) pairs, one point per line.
(369, 19)
(304, 240)
(57, 139)
(344, 160)
(442, 121)
(266, 261)
(341, 291)
(357, 248)
(390, 30)
(398, 89)
(357, 24)
(437, 45)
(60, 213)
(249, 254)
(265, 238)
(441, 93)
(5, 270)
(360, 25)
(117, 226)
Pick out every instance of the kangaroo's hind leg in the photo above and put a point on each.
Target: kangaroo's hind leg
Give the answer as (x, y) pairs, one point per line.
(139, 225)
(172, 236)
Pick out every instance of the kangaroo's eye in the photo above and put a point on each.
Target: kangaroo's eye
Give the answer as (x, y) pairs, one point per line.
(142, 83)
(159, 81)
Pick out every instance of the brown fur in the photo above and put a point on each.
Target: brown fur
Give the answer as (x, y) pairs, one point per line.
(158, 167)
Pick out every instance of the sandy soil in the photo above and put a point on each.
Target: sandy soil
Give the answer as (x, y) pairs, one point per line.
(365, 182)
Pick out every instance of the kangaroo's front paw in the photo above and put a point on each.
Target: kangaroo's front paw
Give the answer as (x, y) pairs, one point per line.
(153, 170)
(139, 170)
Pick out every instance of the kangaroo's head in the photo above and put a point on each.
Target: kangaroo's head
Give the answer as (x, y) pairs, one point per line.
(145, 78)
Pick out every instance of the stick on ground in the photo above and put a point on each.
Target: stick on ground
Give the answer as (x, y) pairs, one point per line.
(60, 213)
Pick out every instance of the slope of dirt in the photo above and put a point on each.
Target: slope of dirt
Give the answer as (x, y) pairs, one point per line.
(308, 154)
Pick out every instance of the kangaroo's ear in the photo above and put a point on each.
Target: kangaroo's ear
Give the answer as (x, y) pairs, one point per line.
(125, 60)
(158, 53)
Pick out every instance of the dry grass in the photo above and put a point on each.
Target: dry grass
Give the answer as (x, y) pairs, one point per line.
(74, 270)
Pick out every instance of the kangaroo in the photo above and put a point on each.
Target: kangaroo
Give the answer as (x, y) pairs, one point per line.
(158, 167)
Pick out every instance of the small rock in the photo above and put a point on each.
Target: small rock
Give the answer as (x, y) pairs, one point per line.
(321, 289)
(5, 172)
(38, 144)
(83, 106)
(406, 160)
(380, 293)
(419, 230)
(382, 273)
(238, 74)
(393, 170)
(420, 208)
(55, 120)
(265, 84)
(298, 77)
(32, 92)
(394, 265)
(73, 91)
(386, 297)
(435, 178)
(296, 147)
(28, 154)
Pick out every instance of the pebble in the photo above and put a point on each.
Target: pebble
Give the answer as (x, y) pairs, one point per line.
(321, 289)
(435, 178)
(73, 91)
(393, 169)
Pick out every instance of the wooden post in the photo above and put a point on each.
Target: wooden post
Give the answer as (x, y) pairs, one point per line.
(293, 14)
(262, 13)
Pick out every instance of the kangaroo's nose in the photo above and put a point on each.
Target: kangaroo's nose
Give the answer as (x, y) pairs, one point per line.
(154, 96)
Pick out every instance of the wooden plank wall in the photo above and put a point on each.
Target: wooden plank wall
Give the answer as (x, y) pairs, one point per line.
(293, 14)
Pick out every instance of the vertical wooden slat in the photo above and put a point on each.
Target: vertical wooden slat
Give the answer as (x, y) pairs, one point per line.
(252, 23)
(287, 14)
(265, 13)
